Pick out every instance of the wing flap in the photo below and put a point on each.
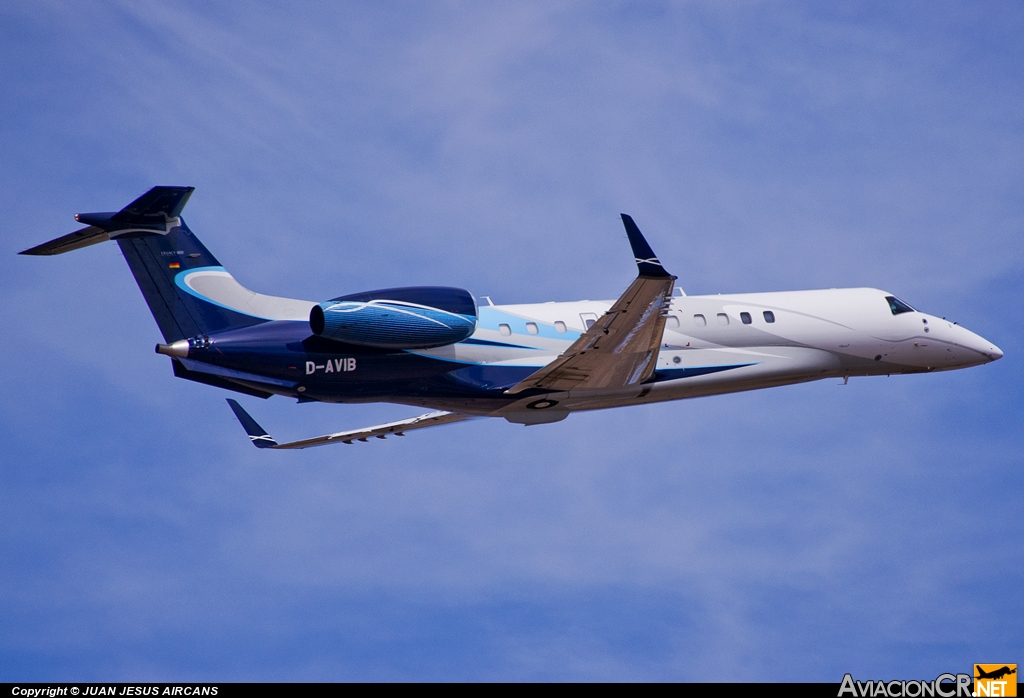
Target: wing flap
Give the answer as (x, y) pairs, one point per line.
(618, 350)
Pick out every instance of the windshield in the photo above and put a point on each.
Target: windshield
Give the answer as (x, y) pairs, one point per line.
(897, 306)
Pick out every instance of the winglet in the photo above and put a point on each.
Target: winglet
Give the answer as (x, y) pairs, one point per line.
(259, 437)
(646, 261)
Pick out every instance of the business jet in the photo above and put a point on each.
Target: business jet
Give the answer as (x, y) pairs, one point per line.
(438, 348)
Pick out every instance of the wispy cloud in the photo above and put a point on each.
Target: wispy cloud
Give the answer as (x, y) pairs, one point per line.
(794, 533)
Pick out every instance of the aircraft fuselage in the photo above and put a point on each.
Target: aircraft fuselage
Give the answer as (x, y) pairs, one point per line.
(711, 345)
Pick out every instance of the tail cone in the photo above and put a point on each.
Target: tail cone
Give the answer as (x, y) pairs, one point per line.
(179, 348)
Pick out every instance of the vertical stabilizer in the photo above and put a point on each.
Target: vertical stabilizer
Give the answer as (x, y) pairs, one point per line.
(161, 250)
(158, 262)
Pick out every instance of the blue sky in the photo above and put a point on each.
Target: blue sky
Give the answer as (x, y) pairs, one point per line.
(790, 534)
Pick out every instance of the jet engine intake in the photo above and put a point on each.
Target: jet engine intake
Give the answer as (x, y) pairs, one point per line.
(416, 317)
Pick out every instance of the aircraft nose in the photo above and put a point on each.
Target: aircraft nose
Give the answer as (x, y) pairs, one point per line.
(981, 345)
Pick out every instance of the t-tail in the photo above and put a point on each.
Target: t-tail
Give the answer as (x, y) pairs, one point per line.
(188, 291)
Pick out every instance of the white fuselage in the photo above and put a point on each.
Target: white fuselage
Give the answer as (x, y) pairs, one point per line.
(711, 344)
(728, 343)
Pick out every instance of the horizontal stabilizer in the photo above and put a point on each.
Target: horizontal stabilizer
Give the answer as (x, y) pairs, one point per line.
(261, 439)
(157, 204)
(72, 241)
(155, 212)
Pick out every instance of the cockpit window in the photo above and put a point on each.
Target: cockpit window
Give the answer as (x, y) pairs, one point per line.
(897, 306)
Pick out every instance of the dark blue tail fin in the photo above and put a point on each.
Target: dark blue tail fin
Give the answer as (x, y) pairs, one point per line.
(160, 250)
(158, 262)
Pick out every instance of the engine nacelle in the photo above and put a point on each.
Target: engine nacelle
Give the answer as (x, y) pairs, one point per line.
(416, 317)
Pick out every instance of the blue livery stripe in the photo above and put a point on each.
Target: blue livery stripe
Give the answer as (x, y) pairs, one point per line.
(488, 343)
(179, 281)
(671, 374)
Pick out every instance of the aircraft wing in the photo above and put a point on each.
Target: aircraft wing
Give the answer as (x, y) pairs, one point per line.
(621, 348)
(261, 439)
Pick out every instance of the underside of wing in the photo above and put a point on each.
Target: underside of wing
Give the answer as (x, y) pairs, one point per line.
(261, 439)
(621, 348)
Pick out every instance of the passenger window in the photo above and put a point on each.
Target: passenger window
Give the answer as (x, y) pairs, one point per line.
(559, 327)
(505, 329)
(723, 319)
(588, 319)
(699, 320)
(769, 316)
(745, 318)
(531, 327)
(673, 322)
